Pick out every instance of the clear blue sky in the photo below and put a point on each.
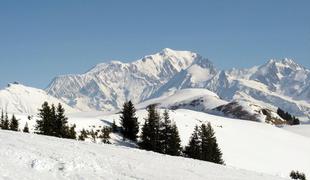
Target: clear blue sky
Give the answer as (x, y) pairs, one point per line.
(42, 39)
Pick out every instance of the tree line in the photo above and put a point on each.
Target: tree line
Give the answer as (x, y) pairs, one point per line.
(160, 134)
(11, 124)
(290, 119)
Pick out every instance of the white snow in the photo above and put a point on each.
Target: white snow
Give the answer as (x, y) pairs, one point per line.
(303, 129)
(17, 98)
(184, 98)
(29, 156)
(247, 145)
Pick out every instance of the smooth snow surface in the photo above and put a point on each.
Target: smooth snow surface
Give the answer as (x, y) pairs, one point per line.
(192, 98)
(28, 157)
(17, 98)
(303, 129)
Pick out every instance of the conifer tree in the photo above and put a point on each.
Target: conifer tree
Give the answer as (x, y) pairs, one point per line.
(13, 124)
(129, 121)
(192, 150)
(6, 122)
(2, 120)
(61, 121)
(105, 135)
(150, 131)
(216, 154)
(53, 130)
(70, 132)
(169, 136)
(165, 132)
(26, 129)
(203, 145)
(93, 134)
(114, 127)
(174, 142)
(83, 135)
(44, 122)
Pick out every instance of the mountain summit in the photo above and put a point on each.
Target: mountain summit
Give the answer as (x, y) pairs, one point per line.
(277, 83)
(108, 85)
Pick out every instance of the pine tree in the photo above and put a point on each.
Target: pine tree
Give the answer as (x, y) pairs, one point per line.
(70, 132)
(209, 147)
(169, 136)
(44, 122)
(2, 120)
(129, 121)
(6, 122)
(13, 124)
(53, 129)
(150, 131)
(105, 135)
(26, 129)
(93, 134)
(61, 122)
(174, 142)
(192, 150)
(83, 135)
(165, 132)
(114, 127)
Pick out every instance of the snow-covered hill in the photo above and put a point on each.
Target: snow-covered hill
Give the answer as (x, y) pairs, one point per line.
(108, 85)
(20, 99)
(247, 145)
(191, 98)
(28, 157)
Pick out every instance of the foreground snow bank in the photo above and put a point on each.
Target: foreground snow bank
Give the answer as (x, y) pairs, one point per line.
(29, 156)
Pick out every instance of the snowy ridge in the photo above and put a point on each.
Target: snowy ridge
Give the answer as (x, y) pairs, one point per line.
(278, 83)
(191, 98)
(20, 99)
(108, 85)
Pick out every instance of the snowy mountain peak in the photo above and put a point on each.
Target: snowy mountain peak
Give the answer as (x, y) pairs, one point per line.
(108, 85)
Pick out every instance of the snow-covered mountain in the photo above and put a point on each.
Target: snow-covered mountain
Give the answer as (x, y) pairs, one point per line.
(281, 83)
(108, 85)
(17, 98)
(278, 83)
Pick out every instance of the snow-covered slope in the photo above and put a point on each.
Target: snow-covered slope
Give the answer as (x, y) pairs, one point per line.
(192, 98)
(245, 144)
(108, 85)
(20, 99)
(303, 129)
(27, 156)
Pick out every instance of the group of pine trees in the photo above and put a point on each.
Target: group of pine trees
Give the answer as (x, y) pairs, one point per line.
(53, 122)
(161, 135)
(95, 134)
(8, 124)
(297, 175)
(290, 119)
(203, 145)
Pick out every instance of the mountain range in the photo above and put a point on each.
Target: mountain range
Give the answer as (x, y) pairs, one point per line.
(105, 87)
(278, 83)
